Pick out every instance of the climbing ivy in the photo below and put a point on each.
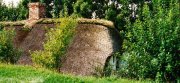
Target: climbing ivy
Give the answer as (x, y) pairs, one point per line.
(55, 47)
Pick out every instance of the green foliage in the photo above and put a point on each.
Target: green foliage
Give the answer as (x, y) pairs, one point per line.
(55, 47)
(67, 8)
(34, 0)
(57, 7)
(8, 54)
(82, 8)
(85, 8)
(110, 14)
(152, 44)
(12, 13)
(64, 11)
(1, 27)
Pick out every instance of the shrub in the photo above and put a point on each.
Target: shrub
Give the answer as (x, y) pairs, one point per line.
(11, 13)
(152, 44)
(8, 53)
(57, 42)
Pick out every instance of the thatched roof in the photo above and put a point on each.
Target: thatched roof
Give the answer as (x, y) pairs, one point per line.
(27, 23)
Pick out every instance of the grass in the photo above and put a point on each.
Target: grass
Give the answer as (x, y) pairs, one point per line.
(28, 74)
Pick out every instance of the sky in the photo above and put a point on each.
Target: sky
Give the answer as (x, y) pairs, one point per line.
(15, 2)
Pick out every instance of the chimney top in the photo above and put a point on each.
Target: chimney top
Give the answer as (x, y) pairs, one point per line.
(36, 10)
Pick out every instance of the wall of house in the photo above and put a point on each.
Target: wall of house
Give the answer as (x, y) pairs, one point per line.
(29, 40)
(94, 42)
(88, 52)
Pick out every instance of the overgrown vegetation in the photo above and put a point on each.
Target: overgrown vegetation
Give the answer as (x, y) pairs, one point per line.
(8, 53)
(11, 13)
(57, 41)
(151, 46)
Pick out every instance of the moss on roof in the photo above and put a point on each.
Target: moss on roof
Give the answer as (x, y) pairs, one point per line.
(50, 21)
(11, 23)
(96, 21)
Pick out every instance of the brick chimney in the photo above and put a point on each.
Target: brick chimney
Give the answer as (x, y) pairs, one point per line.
(36, 11)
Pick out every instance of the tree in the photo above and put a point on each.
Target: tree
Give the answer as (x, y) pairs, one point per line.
(11, 13)
(151, 43)
(67, 7)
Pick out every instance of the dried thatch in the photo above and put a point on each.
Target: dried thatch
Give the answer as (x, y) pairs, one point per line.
(30, 23)
(88, 52)
(94, 42)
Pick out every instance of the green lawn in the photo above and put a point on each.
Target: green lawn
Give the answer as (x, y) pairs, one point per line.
(27, 74)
